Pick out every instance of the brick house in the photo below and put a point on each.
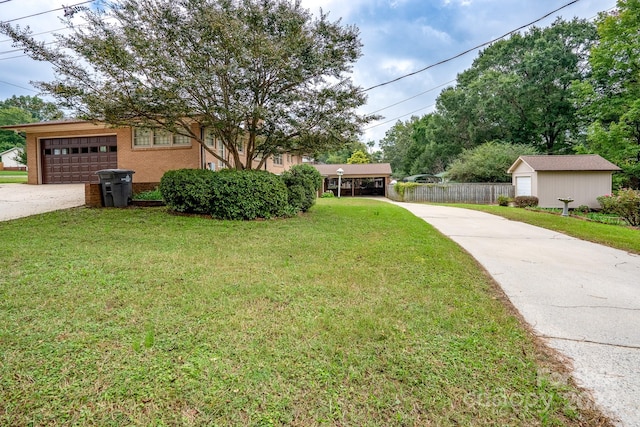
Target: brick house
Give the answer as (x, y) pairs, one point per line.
(71, 151)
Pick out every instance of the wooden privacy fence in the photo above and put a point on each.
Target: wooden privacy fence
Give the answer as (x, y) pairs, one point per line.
(453, 193)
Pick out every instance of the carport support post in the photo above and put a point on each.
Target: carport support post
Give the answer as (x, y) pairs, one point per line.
(339, 172)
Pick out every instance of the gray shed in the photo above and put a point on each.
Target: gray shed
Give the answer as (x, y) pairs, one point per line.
(580, 177)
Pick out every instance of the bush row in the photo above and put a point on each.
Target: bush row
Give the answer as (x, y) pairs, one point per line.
(240, 195)
(626, 203)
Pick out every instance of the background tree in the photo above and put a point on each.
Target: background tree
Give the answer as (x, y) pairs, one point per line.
(359, 157)
(23, 109)
(610, 98)
(39, 109)
(488, 162)
(264, 71)
(396, 143)
(341, 155)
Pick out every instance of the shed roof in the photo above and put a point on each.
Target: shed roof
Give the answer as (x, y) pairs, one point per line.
(579, 162)
(369, 169)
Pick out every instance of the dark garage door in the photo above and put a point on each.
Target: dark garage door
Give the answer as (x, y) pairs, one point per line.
(75, 160)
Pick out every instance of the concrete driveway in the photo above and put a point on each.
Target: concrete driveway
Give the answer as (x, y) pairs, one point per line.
(583, 299)
(20, 200)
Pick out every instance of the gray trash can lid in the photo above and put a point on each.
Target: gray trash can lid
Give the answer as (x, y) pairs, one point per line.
(114, 171)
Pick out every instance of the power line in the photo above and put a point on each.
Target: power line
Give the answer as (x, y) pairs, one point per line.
(469, 50)
(38, 34)
(20, 50)
(399, 117)
(21, 87)
(48, 11)
(410, 98)
(5, 1)
(431, 105)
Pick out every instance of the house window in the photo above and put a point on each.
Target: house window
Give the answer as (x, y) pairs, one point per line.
(277, 159)
(181, 140)
(209, 138)
(158, 138)
(142, 137)
(241, 147)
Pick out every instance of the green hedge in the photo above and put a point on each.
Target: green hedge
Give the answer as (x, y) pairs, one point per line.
(227, 194)
(303, 182)
(248, 195)
(525, 201)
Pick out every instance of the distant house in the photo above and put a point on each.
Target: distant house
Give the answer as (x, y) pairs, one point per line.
(8, 159)
(71, 151)
(369, 179)
(580, 177)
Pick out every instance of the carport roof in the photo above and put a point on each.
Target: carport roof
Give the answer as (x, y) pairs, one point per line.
(369, 169)
(580, 162)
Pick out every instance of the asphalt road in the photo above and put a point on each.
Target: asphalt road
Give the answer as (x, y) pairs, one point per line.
(583, 299)
(20, 200)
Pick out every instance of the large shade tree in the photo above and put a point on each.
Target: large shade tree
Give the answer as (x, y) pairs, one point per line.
(265, 74)
(610, 98)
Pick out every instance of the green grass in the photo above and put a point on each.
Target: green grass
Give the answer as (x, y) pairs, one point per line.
(357, 313)
(615, 236)
(13, 177)
(148, 195)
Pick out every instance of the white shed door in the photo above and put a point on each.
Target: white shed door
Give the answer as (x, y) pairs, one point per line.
(523, 185)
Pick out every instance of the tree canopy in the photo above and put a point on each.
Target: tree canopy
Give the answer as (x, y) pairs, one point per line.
(23, 109)
(517, 91)
(610, 98)
(265, 73)
(487, 162)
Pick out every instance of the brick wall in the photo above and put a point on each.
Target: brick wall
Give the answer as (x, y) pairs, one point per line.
(92, 195)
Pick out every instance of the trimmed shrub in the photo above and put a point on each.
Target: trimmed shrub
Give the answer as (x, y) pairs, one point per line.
(626, 203)
(188, 190)
(503, 200)
(227, 194)
(328, 195)
(247, 195)
(302, 183)
(525, 201)
(607, 203)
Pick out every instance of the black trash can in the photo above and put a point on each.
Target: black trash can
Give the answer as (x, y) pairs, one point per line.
(116, 188)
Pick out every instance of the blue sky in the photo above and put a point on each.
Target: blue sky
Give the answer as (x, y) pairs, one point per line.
(399, 37)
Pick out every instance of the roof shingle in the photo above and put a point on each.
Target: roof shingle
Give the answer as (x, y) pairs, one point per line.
(580, 162)
(378, 169)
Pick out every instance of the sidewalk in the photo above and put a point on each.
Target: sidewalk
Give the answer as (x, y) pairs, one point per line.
(582, 298)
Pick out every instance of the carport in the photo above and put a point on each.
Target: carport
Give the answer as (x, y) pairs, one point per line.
(369, 179)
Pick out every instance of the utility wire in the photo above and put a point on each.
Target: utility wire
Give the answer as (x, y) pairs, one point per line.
(37, 34)
(5, 1)
(410, 98)
(21, 87)
(46, 11)
(469, 50)
(428, 106)
(399, 117)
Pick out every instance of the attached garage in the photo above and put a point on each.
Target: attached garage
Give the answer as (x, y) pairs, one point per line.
(75, 160)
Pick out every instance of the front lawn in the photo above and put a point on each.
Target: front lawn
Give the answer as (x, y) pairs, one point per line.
(13, 177)
(357, 313)
(615, 236)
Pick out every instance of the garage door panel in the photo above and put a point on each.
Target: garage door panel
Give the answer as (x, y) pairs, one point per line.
(72, 160)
